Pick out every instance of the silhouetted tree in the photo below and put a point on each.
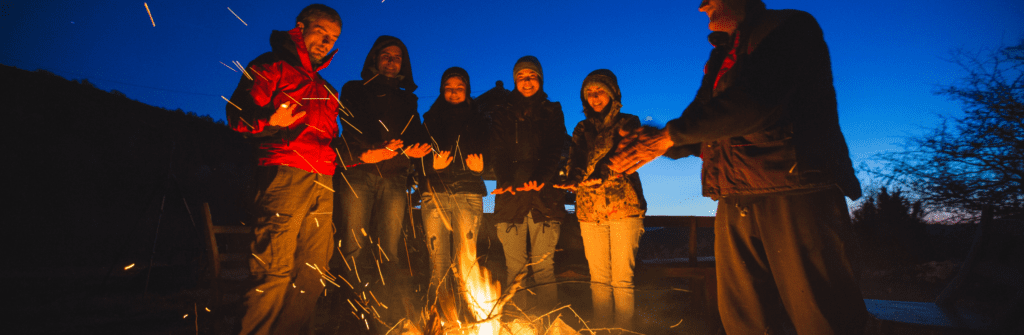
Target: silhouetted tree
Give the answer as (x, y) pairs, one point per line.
(968, 162)
(890, 223)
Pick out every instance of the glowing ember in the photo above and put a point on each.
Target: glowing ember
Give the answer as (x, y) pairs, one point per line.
(132, 265)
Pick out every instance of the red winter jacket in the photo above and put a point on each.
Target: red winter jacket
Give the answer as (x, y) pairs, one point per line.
(286, 75)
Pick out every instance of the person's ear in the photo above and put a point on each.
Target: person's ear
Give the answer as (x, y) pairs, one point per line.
(300, 25)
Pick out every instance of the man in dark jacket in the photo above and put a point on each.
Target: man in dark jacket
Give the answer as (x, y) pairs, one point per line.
(766, 124)
(372, 196)
(293, 203)
(527, 134)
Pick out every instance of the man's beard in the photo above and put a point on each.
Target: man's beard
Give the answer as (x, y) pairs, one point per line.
(316, 61)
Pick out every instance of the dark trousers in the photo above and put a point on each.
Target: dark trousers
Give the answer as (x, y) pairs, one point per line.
(294, 232)
(785, 256)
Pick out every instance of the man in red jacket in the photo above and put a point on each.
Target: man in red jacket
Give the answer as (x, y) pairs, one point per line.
(290, 113)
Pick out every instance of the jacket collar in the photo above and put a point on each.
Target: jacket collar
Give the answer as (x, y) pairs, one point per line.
(289, 46)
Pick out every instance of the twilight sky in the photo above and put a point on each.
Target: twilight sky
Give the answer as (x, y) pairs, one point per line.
(887, 56)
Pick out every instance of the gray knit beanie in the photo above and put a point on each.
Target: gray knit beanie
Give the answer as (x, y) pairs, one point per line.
(528, 62)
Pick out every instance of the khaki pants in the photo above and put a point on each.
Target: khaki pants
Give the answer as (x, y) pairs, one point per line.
(543, 238)
(611, 253)
(293, 228)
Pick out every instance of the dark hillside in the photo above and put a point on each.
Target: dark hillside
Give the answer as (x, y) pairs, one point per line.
(88, 169)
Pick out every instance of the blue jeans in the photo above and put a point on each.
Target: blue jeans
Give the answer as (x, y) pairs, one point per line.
(543, 238)
(443, 214)
(610, 247)
(377, 206)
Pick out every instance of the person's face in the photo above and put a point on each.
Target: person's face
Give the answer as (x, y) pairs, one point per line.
(724, 15)
(389, 61)
(597, 97)
(454, 90)
(319, 37)
(527, 82)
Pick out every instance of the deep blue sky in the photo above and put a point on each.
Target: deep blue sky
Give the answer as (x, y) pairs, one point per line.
(887, 56)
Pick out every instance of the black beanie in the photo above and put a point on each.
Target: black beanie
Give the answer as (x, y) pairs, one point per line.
(455, 71)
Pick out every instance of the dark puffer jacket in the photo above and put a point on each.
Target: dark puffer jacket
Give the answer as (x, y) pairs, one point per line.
(771, 123)
(279, 76)
(383, 109)
(460, 129)
(527, 135)
(593, 142)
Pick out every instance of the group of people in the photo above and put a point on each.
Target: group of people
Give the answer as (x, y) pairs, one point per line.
(764, 121)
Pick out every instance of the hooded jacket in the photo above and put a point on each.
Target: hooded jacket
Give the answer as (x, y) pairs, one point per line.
(460, 129)
(593, 142)
(769, 123)
(381, 109)
(287, 75)
(527, 136)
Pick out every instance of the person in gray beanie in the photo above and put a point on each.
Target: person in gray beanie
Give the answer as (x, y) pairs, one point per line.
(527, 135)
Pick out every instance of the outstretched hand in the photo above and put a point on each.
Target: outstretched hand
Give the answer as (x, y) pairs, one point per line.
(442, 160)
(377, 155)
(567, 186)
(530, 186)
(417, 150)
(475, 162)
(510, 190)
(283, 116)
(639, 148)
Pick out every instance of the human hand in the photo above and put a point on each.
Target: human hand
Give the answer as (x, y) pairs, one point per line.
(377, 155)
(591, 181)
(442, 159)
(503, 190)
(418, 150)
(639, 148)
(567, 186)
(283, 116)
(530, 186)
(475, 162)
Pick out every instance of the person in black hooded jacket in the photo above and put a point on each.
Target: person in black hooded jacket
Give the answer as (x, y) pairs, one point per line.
(527, 136)
(379, 118)
(766, 124)
(452, 195)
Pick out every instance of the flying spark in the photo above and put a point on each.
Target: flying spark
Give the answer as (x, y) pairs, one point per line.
(324, 186)
(132, 265)
(385, 127)
(407, 124)
(229, 68)
(311, 166)
(150, 14)
(350, 125)
(233, 104)
(236, 15)
(290, 97)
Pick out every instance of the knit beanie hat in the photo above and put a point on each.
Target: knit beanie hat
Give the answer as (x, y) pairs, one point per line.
(455, 71)
(605, 78)
(528, 62)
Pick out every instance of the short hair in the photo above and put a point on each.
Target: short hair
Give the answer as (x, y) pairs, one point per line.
(317, 11)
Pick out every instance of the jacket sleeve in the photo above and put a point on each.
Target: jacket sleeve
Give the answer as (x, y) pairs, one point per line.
(356, 128)
(502, 142)
(790, 59)
(254, 100)
(553, 138)
(575, 167)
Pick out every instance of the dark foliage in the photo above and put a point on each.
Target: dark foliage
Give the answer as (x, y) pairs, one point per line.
(975, 160)
(890, 224)
(91, 171)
